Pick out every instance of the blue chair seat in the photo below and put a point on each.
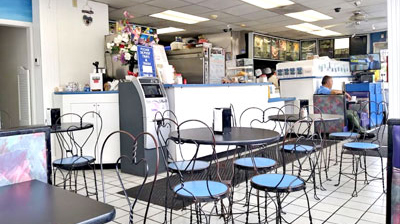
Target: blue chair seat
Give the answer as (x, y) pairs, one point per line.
(184, 166)
(201, 189)
(360, 146)
(298, 148)
(270, 181)
(343, 135)
(74, 161)
(259, 163)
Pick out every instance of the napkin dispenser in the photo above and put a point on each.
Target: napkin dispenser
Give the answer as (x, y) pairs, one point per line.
(222, 122)
(53, 117)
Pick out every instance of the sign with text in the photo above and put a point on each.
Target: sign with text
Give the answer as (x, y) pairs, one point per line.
(146, 61)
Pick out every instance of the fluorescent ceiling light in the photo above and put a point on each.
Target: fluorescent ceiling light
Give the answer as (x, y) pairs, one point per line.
(309, 16)
(325, 33)
(269, 4)
(169, 30)
(305, 27)
(313, 29)
(179, 17)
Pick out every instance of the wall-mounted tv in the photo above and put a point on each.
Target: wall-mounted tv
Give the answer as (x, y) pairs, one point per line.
(365, 62)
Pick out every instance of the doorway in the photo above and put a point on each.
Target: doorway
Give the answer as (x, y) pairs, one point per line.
(15, 100)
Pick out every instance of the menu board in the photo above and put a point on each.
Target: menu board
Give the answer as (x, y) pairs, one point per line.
(308, 47)
(274, 49)
(282, 49)
(289, 51)
(296, 50)
(266, 47)
(258, 41)
(326, 48)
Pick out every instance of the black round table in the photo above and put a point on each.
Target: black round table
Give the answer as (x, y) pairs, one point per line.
(296, 117)
(70, 126)
(237, 136)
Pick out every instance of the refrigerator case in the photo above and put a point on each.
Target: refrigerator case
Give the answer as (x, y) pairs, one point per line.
(202, 65)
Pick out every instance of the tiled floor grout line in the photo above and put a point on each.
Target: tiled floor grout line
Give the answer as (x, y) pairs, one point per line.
(366, 211)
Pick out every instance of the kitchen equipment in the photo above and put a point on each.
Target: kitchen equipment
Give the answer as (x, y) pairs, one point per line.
(199, 65)
(222, 122)
(96, 81)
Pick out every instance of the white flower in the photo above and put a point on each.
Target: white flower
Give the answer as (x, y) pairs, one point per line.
(118, 39)
(125, 37)
(135, 56)
(127, 56)
(133, 48)
(110, 45)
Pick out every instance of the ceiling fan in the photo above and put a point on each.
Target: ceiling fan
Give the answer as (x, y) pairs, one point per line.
(358, 18)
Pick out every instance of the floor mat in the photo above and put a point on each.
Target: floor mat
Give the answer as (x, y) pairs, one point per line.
(226, 173)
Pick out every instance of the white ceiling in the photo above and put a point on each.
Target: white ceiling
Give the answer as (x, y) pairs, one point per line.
(236, 12)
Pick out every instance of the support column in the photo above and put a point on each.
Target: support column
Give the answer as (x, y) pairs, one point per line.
(393, 16)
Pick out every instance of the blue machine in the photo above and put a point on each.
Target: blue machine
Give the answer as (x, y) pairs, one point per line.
(373, 93)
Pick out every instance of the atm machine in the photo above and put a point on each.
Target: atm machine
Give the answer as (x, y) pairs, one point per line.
(139, 101)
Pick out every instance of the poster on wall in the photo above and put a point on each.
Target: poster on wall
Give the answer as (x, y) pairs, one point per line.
(274, 49)
(308, 47)
(146, 61)
(326, 48)
(282, 49)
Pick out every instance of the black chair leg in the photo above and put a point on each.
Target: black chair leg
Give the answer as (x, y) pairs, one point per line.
(308, 206)
(84, 180)
(95, 183)
(383, 174)
(340, 168)
(355, 193)
(365, 168)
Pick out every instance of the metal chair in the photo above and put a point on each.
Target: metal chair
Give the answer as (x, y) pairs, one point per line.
(199, 191)
(310, 130)
(358, 148)
(74, 159)
(134, 162)
(255, 117)
(280, 184)
(166, 122)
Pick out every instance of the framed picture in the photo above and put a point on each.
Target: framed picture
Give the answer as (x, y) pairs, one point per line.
(266, 48)
(258, 42)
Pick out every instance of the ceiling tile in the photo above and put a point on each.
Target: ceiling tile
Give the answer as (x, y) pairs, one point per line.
(119, 3)
(232, 19)
(220, 4)
(143, 9)
(242, 9)
(170, 4)
(193, 9)
(259, 15)
(211, 23)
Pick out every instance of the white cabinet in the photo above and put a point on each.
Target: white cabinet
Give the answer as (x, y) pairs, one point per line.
(106, 105)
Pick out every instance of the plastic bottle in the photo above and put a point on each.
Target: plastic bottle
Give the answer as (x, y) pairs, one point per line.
(178, 78)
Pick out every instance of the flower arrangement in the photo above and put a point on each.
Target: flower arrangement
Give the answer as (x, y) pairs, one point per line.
(124, 45)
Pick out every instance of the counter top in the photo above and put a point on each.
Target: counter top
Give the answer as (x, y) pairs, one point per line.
(316, 77)
(82, 92)
(216, 85)
(279, 99)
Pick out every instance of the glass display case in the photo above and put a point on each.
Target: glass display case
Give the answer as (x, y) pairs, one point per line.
(241, 74)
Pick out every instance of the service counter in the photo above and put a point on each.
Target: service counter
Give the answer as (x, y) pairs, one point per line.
(303, 88)
(197, 101)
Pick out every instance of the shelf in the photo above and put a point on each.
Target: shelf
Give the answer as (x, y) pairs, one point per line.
(240, 67)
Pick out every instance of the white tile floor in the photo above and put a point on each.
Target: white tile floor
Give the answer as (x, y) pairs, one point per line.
(336, 205)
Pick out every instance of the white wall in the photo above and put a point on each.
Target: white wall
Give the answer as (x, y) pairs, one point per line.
(13, 53)
(393, 7)
(68, 47)
(80, 45)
